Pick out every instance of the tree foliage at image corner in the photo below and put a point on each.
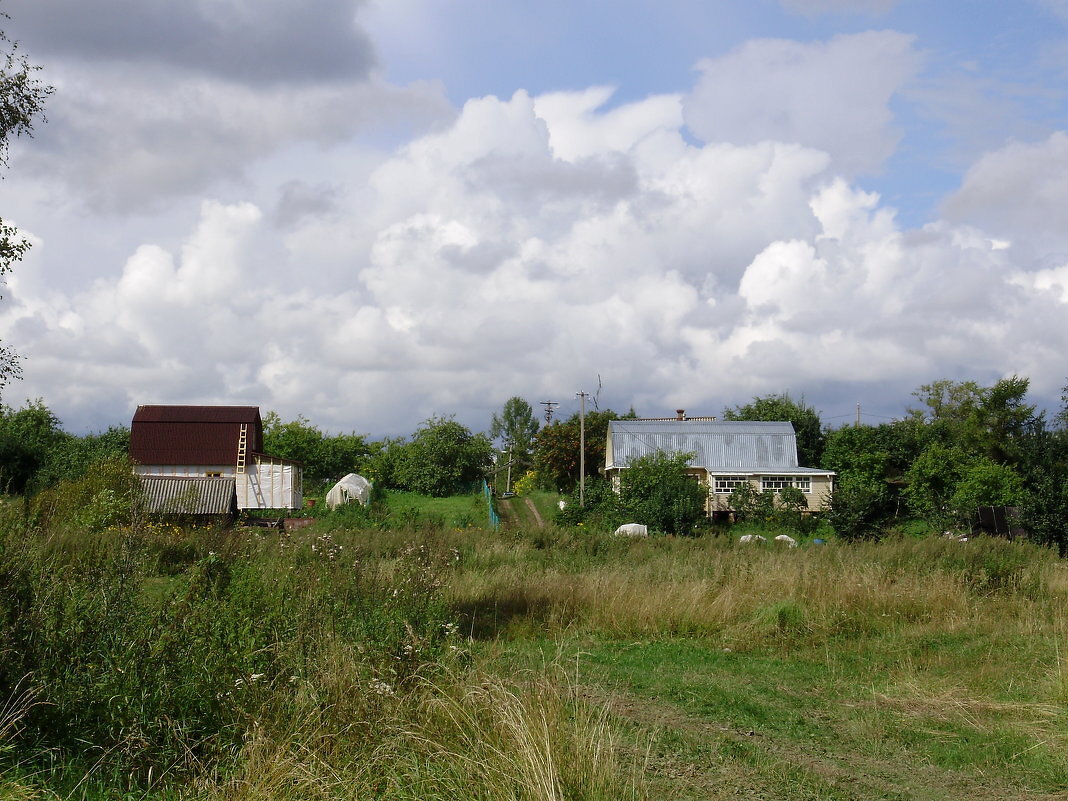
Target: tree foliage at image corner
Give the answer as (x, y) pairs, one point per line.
(22, 99)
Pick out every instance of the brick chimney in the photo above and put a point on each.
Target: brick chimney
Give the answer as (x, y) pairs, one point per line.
(680, 414)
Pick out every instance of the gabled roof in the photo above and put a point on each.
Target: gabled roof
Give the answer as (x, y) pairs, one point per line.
(718, 445)
(193, 435)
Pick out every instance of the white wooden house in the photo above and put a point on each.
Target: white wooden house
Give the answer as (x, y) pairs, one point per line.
(214, 442)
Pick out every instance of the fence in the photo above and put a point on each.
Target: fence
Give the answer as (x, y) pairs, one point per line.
(494, 519)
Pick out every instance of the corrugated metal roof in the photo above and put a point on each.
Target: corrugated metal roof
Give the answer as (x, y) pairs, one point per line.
(197, 435)
(718, 445)
(191, 496)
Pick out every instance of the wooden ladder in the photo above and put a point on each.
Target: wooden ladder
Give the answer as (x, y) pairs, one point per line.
(242, 449)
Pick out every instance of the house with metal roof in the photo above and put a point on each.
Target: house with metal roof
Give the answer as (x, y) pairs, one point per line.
(726, 454)
(224, 443)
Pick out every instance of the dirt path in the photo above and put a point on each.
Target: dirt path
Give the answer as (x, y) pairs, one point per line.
(534, 511)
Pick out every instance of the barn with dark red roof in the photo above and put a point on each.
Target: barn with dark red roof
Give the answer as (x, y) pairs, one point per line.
(220, 442)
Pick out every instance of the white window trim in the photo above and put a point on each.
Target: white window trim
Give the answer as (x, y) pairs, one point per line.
(803, 483)
(730, 482)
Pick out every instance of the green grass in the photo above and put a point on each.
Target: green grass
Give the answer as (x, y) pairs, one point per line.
(431, 660)
(415, 510)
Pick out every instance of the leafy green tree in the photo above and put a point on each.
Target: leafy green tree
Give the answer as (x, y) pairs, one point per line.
(751, 505)
(443, 458)
(658, 490)
(870, 463)
(985, 483)
(883, 452)
(556, 450)
(22, 99)
(932, 479)
(27, 438)
(987, 421)
(602, 509)
(946, 485)
(1045, 473)
(325, 458)
(71, 457)
(516, 427)
(858, 507)
(774, 408)
(791, 508)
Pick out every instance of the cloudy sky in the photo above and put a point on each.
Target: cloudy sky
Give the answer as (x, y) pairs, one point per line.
(369, 212)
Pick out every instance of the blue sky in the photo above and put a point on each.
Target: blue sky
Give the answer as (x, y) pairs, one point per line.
(369, 213)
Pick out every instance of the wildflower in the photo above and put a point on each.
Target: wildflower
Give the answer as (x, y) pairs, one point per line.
(380, 687)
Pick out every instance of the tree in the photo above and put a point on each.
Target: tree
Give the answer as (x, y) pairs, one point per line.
(792, 505)
(1045, 472)
(871, 462)
(985, 483)
(752, 505)
(516, 427)
(325, 458)
(28, 437)
(22, 99)
(556, 450)
(932, 479)
(805, 419)
(859, 507)
(658, 490)
(946, 485)
(987, 421)
(443, 458)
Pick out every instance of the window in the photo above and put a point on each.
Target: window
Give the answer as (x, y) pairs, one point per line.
(724, 485)
(777, 483)
(213, 474)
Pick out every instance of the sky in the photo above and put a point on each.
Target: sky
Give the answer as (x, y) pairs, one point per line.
(374, 212)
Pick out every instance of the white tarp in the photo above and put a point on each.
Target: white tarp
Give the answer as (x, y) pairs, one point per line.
(351, 488)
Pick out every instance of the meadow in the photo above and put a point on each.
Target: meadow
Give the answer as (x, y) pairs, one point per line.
(431, 660)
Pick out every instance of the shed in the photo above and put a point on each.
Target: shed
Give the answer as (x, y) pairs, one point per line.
(215, 442)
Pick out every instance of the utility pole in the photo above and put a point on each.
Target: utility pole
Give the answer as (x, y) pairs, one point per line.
(549, 407)
(858, 416)
(582, 447)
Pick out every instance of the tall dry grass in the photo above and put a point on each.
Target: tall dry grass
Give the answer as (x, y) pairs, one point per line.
(716, 587)
(464, 735)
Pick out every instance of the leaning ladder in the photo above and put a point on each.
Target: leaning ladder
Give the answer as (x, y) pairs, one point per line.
(242, 449)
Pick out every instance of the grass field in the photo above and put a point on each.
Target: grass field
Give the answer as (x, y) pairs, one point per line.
(441, 661)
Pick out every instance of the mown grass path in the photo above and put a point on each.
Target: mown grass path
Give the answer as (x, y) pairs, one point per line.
(785, 723)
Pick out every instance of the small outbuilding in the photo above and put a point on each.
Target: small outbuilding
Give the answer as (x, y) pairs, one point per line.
(212, 442)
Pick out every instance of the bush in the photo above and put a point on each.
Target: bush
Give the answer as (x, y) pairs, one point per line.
(752, 506)
(859, 508)
(132, 671)
(443, 458)
(657, 490)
